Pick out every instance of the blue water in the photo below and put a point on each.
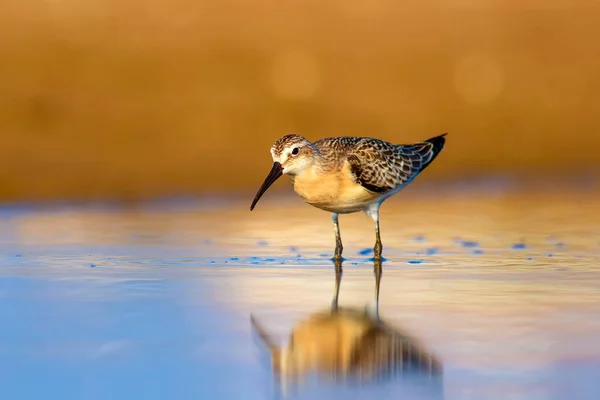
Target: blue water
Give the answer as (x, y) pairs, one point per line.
(155, 304)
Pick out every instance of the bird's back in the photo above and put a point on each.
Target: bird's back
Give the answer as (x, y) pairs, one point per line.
(334, 150)
(380, 166)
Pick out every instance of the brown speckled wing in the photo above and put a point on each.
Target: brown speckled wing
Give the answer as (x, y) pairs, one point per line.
(380, 166)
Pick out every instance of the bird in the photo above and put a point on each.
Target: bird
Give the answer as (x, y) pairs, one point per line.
(348, 174)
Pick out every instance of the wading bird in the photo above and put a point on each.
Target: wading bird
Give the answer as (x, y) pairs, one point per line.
(345, 175)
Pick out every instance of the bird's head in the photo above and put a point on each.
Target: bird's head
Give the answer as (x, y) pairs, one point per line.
(291, 154)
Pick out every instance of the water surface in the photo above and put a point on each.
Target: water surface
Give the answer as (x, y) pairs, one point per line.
(153, 301)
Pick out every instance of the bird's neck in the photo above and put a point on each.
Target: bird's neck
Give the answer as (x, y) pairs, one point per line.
(312, 171)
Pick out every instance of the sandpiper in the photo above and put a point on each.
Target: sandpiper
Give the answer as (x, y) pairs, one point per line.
(344, 175)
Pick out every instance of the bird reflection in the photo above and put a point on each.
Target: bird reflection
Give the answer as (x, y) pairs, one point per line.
(350, 344)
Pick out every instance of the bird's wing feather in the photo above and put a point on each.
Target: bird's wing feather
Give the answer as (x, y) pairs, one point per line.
(380, 166)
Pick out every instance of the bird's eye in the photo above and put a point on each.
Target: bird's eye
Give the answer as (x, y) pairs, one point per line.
(295, 151)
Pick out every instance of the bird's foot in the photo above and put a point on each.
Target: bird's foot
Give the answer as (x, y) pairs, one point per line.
(337, 255)
(338, 250)
(377, 250)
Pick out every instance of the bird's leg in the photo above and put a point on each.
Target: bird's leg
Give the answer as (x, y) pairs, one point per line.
(338, 280)
(338, 239)
(337, 260)
(378, 246)
(377, 268)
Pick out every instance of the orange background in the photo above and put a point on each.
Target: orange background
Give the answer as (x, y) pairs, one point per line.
(137, 98)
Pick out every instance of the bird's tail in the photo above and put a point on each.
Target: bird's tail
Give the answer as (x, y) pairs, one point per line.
(426, 150)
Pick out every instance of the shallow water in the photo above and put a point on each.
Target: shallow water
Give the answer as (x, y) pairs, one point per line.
(154, 301)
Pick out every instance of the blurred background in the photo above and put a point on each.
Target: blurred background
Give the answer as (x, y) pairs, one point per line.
(170, 109)
(132, 99)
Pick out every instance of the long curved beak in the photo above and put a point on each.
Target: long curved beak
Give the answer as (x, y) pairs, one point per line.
(276, 172)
